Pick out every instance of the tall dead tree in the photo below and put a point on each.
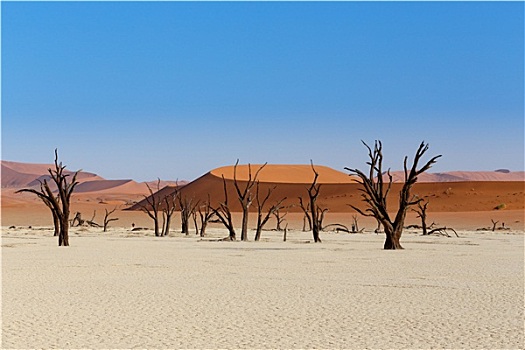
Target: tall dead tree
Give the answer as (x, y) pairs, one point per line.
(107, 220)
(375, 191)
(314, 213)
(245, 196)
(59, 202)
(152, 208)
(262, 218)
(224, 214)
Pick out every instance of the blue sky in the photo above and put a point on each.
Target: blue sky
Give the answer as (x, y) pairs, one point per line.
(172, 90)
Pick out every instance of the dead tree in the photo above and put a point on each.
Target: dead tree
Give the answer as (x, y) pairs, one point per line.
(195, 223)
(205, 215)
(43, 195)
(355, 224)
(262, 218)
(422, 214)
(494, 223)
(168, 208)
(375, 191)
(320, 214)
(59, 203)
(77, 220)
(107, 220)
(187, 207)
(306, 217)
(316, 214)
(245, 196)
(224, 214)
(443, 231)
(279, 219)
(152, 207)
(92, 222)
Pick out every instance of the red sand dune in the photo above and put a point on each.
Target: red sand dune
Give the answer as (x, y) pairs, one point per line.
(293, 174)
(338, 190)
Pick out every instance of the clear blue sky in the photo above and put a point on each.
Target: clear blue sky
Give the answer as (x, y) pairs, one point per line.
(172, 90)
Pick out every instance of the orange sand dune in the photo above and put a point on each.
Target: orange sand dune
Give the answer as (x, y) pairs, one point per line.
(338, 196)
(295, 174)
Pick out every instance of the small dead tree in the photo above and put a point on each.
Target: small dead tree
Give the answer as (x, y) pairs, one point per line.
(306, 217)
(494, 223)
(355, 224)
(194, 216)
(224, 214)
(422, 214)
(205, 214)
(107, 220)
(245, 195)
(168, 208)
(375, 191)
(187, 208)
(152, 208)
(77, 220)
(262, 218)
(92, 222)
(59, 201)
(279, 219)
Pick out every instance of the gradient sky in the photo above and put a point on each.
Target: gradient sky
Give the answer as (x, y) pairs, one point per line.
(172, 90)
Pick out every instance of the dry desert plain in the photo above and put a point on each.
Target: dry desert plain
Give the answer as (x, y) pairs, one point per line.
(125, 289)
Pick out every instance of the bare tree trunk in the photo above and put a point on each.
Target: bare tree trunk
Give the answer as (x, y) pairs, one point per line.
(205, 214)
(107, 220)
(244, 227)
(316, 216)
(375, 194)
(245, 196)
(224, 214)
(422, 214)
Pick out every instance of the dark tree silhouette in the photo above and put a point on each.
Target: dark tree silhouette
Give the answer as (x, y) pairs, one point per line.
(152, 208)
(205, 214)
(279, 219)
(375, 191)
(422, 214)
(168, 207)
(263, 218)
(187, 208)
(107, 220)
(245, 196)
(59, 203)
(224, 214)
(306, 217)
(315, 214)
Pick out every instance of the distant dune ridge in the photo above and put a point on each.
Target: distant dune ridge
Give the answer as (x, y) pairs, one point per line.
(17, 175)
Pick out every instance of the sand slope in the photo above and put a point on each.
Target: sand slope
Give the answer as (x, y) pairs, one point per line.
(338, 190)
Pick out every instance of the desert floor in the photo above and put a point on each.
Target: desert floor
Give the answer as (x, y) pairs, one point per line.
(127, 290)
